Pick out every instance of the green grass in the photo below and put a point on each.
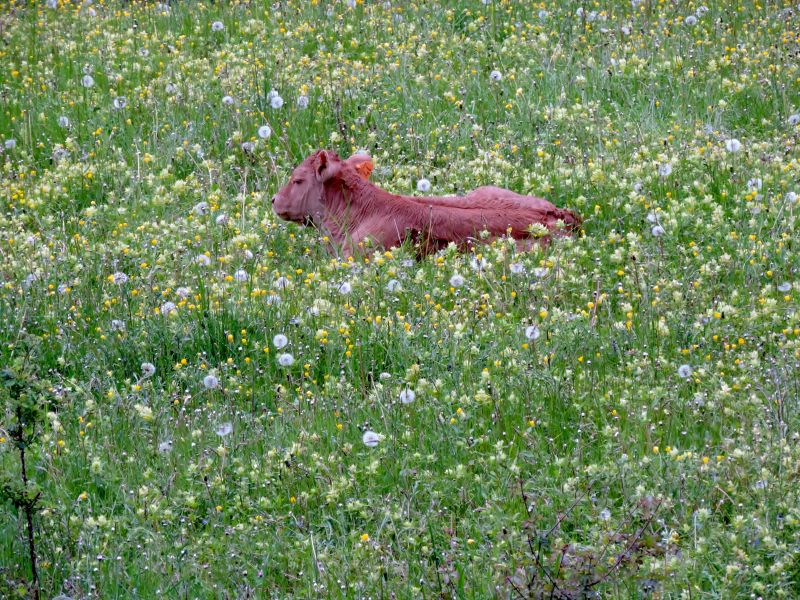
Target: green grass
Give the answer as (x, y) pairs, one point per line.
(578, 463)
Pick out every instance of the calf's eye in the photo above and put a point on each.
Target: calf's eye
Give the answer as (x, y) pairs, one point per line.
(298, 181)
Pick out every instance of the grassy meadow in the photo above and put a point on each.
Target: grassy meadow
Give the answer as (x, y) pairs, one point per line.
(215, 406)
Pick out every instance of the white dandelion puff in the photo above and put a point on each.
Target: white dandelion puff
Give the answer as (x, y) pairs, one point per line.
(148, 369)
(456, 280)
(167, 308)
(281, 283)
(202, 260)
(794, 119)
(221, 219)
(117, 325)
(664, 169)
(87, 81)
(264, 132)
(120, 102)
(784, 287)
(63, 121)
(183, 292)
(371, 439)
(423, 185)
(733, 145)
(345, 288)
(227, 100)
(516, 268)
(119, 278)
(224, 429)
(407, 396)
(165, 446)
(302, 102)
(10, 144)
(657, 231)
(241, 275)
(605, 514)
(685, 371)
(201, 208)
(496, 75)
(754, 184)
(210, 382)
(276, 102)
(285, 360)
(393, 285)
(217, 26)
(532, 332)
(691, 20)
(280, 341)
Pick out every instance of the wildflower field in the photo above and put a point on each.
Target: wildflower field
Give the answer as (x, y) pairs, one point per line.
(209, 404)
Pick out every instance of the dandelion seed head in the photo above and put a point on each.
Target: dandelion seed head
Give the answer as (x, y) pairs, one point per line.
(407, 396)
(532, 332)
(733, 145)
(371, 439)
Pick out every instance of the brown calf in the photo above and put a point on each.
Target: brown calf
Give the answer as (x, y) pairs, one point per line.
(338, 195)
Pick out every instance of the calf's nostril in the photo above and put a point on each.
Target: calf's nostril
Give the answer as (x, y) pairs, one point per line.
(273, 199)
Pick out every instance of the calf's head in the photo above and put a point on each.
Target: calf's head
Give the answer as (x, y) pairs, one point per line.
(300, 200)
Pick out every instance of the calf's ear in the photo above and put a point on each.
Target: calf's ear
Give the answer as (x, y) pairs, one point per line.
(362, 163)
(326, 165)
